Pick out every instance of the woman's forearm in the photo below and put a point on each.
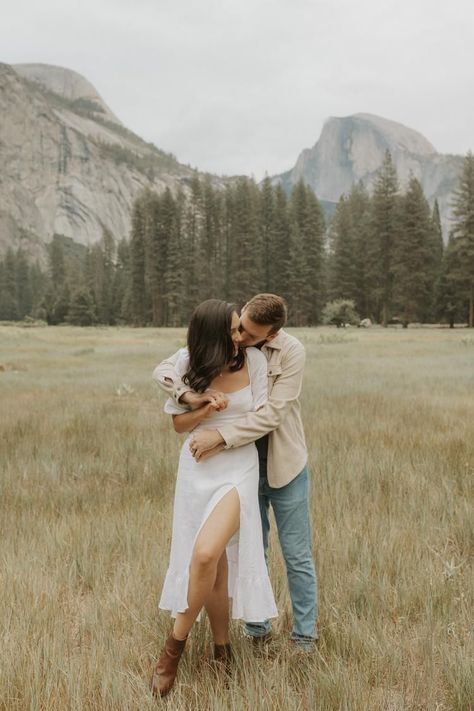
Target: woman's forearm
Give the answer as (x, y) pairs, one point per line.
(189, 420)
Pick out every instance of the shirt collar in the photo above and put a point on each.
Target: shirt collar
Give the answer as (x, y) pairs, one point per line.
(277, 342)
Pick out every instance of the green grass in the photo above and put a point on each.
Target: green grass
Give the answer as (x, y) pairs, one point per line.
(88, 463)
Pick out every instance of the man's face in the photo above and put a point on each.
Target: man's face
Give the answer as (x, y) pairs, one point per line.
(252, 334)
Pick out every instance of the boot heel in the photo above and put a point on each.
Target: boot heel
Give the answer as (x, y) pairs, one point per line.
(167, 667)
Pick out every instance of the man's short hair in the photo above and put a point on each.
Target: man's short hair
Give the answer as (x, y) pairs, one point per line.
(267, 310)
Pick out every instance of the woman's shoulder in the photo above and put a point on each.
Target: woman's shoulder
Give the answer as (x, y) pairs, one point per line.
(255, 357)
(182, 362)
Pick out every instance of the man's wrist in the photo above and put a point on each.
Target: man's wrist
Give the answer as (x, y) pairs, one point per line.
(221, 439)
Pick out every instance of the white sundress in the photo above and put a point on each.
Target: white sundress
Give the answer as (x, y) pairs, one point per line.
(201, 485)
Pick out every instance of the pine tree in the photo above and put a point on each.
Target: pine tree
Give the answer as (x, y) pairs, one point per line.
(61, 305)
(107, 307)
(156, 254)
(359, 206)
(172, 275)
(122, 284)
(307, 215)
(437, 256)
(137, 263)
(413, 258)
(448, 304)
(267, 231)
(279, 276)
(212, 246)
(193, 259)
(227, 235)
(313, 241)
(385, 229)
(57, 269)
(296, 279)
(88, 271)
(437, 235)
(23, 285)
(9, 307)
(342, 267)
(462, 267)
(82, 311)
(244, 272)
(39, 284)
(45, 309)
(95, 279)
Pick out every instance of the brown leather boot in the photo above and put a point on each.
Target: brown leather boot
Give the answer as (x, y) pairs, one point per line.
(167, 667)
(223, 658)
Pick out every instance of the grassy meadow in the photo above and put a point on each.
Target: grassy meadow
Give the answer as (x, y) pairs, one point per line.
(88, 463)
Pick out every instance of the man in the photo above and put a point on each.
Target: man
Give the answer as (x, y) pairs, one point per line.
(277, 430)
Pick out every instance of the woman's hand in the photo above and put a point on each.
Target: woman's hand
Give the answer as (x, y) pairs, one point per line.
(197, 400)
(221, 399)
(209, 409)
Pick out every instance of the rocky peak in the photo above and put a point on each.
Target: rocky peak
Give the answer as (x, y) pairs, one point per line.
(69, 84)
(395, 135)
(351, 149)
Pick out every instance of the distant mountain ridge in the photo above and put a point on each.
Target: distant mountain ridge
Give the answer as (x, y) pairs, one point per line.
(351, 149)
(69, 166)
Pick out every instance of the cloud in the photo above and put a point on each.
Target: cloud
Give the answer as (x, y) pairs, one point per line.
(243, 87)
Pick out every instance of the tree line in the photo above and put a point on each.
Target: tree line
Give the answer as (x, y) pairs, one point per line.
(383, 252)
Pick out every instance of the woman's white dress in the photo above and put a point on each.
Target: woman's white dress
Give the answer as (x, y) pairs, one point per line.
(201, 485)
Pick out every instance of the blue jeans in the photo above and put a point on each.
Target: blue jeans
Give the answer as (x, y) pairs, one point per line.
(290, 505)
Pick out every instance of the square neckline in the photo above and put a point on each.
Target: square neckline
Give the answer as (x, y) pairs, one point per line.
(232, 392)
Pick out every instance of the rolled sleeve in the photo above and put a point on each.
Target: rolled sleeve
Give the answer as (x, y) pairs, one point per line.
(168, 376)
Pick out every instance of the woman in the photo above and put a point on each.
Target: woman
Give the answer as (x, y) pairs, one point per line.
(217, 547)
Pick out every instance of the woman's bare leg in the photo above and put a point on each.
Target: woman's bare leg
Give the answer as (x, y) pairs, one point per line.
(219, 528)
(217, 604)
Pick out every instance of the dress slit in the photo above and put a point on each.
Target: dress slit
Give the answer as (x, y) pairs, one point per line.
(213, 504)
(231, 548)
(200, 486)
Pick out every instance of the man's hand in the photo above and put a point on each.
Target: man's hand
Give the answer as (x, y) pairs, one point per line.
(203, 441)
(196, 400)
(211, 452)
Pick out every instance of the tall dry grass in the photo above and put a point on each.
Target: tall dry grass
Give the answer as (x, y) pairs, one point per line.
(87, 475)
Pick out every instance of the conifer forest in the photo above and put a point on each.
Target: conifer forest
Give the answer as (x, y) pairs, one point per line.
(382, 252)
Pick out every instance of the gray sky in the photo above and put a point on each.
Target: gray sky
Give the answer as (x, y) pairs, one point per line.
(242, 86)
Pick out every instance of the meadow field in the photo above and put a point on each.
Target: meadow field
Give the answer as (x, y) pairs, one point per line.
(88, 463)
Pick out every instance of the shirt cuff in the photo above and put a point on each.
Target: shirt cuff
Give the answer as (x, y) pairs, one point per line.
(226, 437)
(179, 392)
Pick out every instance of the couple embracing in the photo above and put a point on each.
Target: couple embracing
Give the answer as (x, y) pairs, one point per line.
(235, 389)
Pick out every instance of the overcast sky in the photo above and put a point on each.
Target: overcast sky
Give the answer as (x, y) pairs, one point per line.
(242, 86)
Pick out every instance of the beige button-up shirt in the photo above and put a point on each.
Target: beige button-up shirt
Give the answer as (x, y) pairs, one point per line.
(280, 417)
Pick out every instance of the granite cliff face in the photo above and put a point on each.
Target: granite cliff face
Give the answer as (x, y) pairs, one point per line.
(69, 166)
(351, 149)
(67, 163)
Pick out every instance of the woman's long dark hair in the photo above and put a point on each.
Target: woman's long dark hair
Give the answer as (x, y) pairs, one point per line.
(210, 345)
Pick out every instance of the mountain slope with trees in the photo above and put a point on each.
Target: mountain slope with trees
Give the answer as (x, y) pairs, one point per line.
(381, 258)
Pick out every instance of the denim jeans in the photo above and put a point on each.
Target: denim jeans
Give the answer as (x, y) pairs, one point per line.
(290, 505)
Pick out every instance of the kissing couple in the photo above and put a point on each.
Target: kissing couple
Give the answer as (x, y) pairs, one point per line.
(235, 389)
